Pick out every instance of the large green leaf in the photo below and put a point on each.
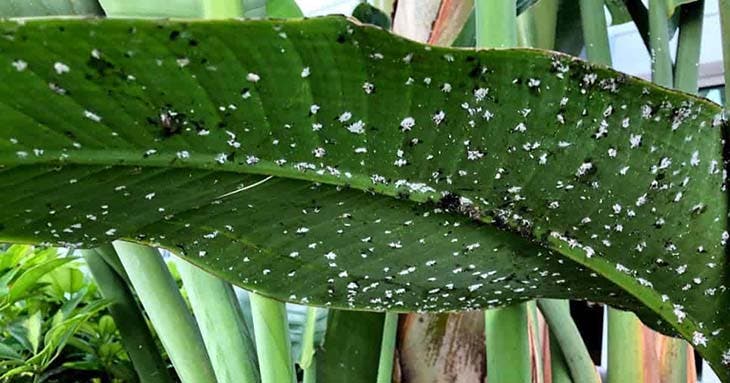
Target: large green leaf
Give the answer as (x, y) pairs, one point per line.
(329, 163)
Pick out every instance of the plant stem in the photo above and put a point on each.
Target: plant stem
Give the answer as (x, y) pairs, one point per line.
(136, 336)
(167, 311)
(496, 23)
(508, 346)
(221, 323)
(661, 61)
(526, 29)
(625, 347)
(111, 258)
(536, 26)
(222, 9)
(565, 333)
(595, 32)
(686, 71)
(307, 357)
(534, 336)
(310, 373)
(387, 348)
(558, 366)
(725, 28)
(271, 330)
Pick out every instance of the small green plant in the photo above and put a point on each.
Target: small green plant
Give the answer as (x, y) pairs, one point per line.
(52, 326)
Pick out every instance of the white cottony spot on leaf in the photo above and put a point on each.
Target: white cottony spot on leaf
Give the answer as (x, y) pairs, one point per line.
(699, 339)
(92, 116)
(357, 127)
(407, 123)
(61, 68)
(345, 116)
(19, 65)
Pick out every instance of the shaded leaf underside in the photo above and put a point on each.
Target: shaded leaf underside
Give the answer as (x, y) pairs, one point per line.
(328, 163)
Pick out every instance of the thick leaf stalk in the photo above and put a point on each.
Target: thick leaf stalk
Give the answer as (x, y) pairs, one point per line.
(661, 60)
(564, 332)
(167, 311)
(536, 26)
(559, 370)
(496, 23)
(271, 331)
(387, 348)
(595, 32)
(128, 318)
(686, 70)
(626, 351)
(508, 344)
(222, 9)
(307, 359)
(221, 324)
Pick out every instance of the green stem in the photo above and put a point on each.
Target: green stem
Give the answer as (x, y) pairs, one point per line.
(536, 351)
(222, 9)
(221, 323)
(167, 311)
(111, 258)
(310, 373)
(136, 336)
(725, 27)
(565, 333)
(625, 347)
(686, 72)
(387, 348)
(595, 32)
(496, 23)
(661, 61)
(271, 330)
(526, 29)
(536, 26)
(307, 357)
(559, 371)
(508, 346)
